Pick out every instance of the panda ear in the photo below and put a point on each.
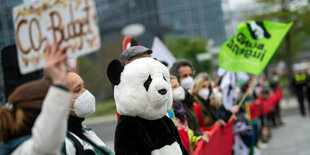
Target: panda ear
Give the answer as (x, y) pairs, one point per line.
(114, 71)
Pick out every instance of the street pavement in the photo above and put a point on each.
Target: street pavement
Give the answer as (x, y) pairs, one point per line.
(104, 128)
(293, 138)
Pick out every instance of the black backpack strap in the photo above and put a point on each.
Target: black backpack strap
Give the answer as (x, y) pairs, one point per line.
(94, 145)
(78, 146)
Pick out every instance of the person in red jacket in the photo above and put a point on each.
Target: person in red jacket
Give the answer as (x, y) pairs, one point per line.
(277, 97)
(267, 106)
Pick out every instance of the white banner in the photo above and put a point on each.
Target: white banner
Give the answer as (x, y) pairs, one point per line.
(73, 23)
(161, 52)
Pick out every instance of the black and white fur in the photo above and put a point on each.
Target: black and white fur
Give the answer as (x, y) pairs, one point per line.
(258, 30)
(143, 95)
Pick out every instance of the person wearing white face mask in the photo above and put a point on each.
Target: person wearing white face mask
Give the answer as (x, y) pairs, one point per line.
(180, 121)
(180, 116)
(183, 70)
(208, 107)
(81, 140)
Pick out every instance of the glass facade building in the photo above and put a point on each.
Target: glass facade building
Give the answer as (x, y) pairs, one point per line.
(196, 18)
(113, 15)
(6, 22)
(116, 13)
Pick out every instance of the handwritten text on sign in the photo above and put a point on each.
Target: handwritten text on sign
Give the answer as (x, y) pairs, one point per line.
(71, 22)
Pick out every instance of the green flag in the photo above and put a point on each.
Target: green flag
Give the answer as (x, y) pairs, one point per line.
(251, 48)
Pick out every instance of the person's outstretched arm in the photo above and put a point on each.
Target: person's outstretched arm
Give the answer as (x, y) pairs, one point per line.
(49, 130)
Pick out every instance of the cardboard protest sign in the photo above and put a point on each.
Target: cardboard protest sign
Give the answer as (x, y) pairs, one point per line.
(73, 23)
(251, 48)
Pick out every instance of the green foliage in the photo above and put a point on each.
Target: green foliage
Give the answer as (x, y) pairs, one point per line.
(89, 74)
(189, 48)
(284, 81)
(104, 108)
(282, 11)
(92, 68)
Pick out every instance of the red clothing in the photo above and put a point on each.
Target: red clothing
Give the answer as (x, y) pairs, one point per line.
(278, 93)
(183, 131)
(276, 97)
(266, 105)
(117, 114)
(197, 110)
(255, 110)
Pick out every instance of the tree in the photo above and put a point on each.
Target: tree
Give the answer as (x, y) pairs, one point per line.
(92, 68)
(189, 48)
(287, 11)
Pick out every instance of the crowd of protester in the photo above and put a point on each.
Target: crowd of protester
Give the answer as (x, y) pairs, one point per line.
(204, 107)
(34, 121)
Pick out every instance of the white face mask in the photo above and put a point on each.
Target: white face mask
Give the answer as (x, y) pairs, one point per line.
(85, 104)
(178, 94)
(204, 93)
(217, 94)
(187, 83)
(275, 78)
(238, 90)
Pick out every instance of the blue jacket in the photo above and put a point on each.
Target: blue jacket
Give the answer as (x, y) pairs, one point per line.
(8, 148)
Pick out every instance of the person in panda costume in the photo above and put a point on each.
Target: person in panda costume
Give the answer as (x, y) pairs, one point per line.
(143, 95)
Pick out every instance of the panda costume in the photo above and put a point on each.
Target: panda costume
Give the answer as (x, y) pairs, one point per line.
(143, 95)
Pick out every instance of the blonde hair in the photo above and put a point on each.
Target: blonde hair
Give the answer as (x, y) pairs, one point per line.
(199, 79)
(172, 77)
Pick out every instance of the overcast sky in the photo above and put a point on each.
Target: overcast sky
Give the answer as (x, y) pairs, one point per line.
(236, 4)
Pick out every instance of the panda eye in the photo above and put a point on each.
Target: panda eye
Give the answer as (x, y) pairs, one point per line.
(164, 77)
(147, 83)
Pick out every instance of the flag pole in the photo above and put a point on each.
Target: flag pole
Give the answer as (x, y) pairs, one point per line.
(253, 81)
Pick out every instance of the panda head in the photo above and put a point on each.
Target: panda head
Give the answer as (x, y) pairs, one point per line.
(142, 88)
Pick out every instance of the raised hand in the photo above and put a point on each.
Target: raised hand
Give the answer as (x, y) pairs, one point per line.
(54, 63)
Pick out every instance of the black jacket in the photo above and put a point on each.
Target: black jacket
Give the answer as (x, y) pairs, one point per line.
(138, 136)
(192, 120)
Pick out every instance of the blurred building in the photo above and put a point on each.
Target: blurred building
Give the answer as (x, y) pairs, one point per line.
(6, 33)
(195, 18)
(238, 11)
(6, 22)
(113, 15)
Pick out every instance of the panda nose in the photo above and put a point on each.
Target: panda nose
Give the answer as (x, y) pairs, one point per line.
(162, 91)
